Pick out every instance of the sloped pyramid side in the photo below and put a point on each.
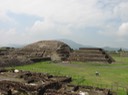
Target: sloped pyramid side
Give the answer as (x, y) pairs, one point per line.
(56, 50)
(35, 52)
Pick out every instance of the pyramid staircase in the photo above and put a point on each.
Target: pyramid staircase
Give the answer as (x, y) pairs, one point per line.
(90, 55)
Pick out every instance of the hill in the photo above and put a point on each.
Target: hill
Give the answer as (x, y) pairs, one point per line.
(114, 49)
(73, 44)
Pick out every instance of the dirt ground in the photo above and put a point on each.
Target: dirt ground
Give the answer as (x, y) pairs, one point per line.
(18, 82)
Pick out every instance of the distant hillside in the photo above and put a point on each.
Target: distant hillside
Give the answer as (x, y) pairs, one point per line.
(73, 44)
(14, 45)
(110, 49)
(114, 49)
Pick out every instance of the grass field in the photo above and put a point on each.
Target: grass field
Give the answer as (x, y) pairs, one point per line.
(114, 76)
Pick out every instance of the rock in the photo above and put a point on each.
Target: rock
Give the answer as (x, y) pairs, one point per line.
(16, 71)
(83, 93)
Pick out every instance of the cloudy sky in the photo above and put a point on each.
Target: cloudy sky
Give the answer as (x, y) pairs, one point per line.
(89, 22)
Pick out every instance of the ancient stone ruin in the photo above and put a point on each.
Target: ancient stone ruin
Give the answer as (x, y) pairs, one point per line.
(55, 50)
(18, 82)
(90, 55)
(40, 51)
(50, 50)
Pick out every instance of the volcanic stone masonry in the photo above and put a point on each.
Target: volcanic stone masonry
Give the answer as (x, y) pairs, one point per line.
(50, 50)
(90, 55)
(40, 51)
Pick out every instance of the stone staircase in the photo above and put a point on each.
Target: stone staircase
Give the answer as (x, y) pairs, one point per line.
(90, 55)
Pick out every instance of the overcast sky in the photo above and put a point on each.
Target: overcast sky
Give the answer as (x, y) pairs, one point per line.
(89, 22)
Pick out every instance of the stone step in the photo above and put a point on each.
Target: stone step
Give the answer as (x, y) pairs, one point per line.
(87, 54)
(90, 59)
(87, 51)
(90, 54)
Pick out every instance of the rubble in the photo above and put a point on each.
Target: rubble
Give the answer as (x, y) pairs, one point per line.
(31, 83)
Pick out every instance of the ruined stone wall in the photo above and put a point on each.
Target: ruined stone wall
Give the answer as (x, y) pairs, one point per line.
(35, 52)
(18, 82)
(90, 55)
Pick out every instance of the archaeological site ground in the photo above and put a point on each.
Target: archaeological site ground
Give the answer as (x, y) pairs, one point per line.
(16, 78)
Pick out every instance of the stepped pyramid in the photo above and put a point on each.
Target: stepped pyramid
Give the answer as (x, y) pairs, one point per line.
(90, 55)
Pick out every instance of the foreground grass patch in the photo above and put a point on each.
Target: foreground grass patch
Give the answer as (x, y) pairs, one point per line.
(114, 76)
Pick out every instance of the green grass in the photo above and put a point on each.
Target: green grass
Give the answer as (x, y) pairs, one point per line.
(114, 76)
